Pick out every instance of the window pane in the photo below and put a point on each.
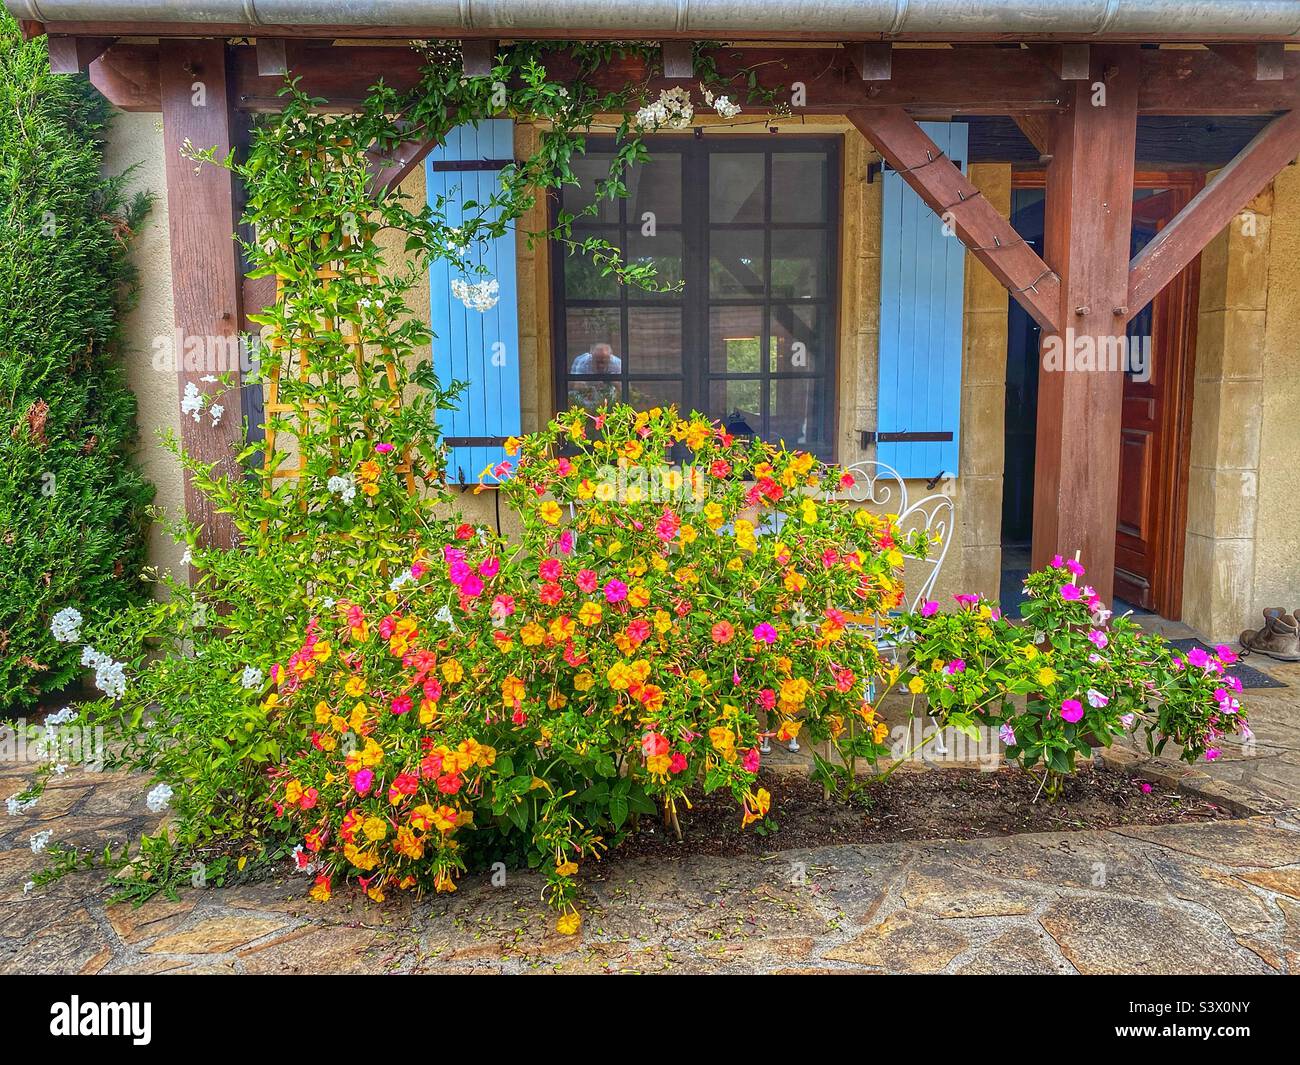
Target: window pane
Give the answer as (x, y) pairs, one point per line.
(594, 340)
(799, 342)
(654, 343)
(593, 394)
(582, 277)
(736, 264)
(735, 338)
(738, 405)
(799, 265)
(797, 414)
(736, 184)
(799, 187)
(589, 170)
(655, 186)
(646, 394)
(662, 251)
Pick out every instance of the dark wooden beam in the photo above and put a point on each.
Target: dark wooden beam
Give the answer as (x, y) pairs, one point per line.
(1276, 145)
(206, 283)
(127, 76)
(976, 222)
(1036, 129)
(977, 80)
(677, 59)
(1088, 221)
(272, 57)
(73, 55)
(389, 168)
(1263, 62)
(873, 62)
(1069, 62)
(478, 57)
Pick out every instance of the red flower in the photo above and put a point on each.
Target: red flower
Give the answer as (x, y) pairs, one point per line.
(723, 632)
(551, 594)
(449, 783)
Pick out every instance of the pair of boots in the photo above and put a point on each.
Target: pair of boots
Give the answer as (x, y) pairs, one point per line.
(1279, 638)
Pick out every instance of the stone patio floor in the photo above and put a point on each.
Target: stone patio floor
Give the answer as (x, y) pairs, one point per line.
(1219, 897)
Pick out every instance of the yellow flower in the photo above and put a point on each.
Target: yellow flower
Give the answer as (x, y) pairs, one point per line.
(1029, 651)
(1047, 676)
(590, 614)
(566, 868)
(713, 515)
(532, 634)
(549, 512)
(569, 924)
(375, 828)
(583, 682)
(355, 687)
(320, 892)
(512, 690)
(452, 671)
(605, 492)
(916, 685)
(321, 652)
(808, 512)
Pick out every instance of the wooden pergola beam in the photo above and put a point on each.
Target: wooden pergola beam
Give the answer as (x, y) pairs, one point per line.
(677, 58)
(206, 288)
(1088, 223)
(1069, 61)
(1263, 62)
(1276, 145)
(478, 57)
(873, 61)
(975, 222)
(976, 80)
(73, 55)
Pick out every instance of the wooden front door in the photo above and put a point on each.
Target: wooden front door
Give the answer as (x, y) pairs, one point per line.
(1156, 418)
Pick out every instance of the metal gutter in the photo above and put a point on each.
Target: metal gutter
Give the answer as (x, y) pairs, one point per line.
(1079, 19)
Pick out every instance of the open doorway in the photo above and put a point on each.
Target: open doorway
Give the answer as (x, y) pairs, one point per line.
(1155, 429)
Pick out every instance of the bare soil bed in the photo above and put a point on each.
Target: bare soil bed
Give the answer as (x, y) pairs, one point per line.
(958, 804)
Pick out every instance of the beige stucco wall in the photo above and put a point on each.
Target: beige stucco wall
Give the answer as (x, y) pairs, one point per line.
(136, 141)
(1243, 543)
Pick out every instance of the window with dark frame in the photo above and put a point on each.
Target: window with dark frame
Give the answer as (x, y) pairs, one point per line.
(750, 224)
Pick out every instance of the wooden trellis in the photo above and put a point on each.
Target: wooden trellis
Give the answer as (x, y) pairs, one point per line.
(298, 361)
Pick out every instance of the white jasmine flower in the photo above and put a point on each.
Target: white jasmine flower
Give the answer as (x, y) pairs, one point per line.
(63, 717)
(725, 107)
(159, 798)
(192, 401)
(187, 557)
(328, 602)
(209, 378)
(344, 486)
(252, 677)
(216, 411)
(110, 676)
(405, 577)
(60, 769)
(41, 840)
(15, 806)
(481, 296)
(444, 615)
(66, 625)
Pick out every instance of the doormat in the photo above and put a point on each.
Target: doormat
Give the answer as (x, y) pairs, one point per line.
(1249, 676)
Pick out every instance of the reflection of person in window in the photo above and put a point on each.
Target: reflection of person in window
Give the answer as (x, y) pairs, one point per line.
(599, 360)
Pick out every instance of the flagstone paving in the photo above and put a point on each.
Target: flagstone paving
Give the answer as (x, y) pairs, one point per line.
(1195, 897)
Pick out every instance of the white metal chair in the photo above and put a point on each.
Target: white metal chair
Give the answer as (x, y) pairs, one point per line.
(880, 486)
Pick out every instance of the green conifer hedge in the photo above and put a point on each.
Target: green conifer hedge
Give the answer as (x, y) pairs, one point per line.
(73, 506)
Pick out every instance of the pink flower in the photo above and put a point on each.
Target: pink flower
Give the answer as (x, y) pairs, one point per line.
(401, 705)
(1069, 592)
(503, 606)
(383, 449)
(1146, 788)
(677, 763)
(751, 760)
(929, 607)
(363, 781)
(767, 698)
(418, 570)
(1075, 567)
(764, 633)
(1072, 710)
(489, 567)
(1197, 657)
(1057, 562)
(586, 580)
(566, 542)
(550, 569)
(957, 665)
(1099, 639)
(615, 591)
(1213, 754)
(1226, 654)
(966, 599)
(471, 586)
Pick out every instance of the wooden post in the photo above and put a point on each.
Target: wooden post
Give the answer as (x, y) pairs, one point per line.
(205, 275)
(1089, 214)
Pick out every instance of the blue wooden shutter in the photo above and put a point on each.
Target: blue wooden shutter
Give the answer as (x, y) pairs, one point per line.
(922, 278)
(465, 339)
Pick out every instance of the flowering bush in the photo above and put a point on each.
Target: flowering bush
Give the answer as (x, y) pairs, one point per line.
(653, 625)
(1070, 678)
